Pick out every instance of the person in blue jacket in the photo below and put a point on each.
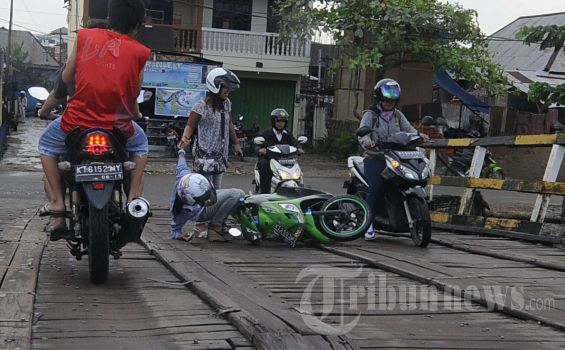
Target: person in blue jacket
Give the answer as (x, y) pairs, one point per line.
(194, 199)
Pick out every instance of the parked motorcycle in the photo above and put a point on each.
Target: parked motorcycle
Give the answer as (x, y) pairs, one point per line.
(96, 172)
(295, 213)
(406, 174)
(460, 163)
(284, 164)
(173, 131)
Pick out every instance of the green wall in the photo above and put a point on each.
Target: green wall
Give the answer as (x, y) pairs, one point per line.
(256, 98)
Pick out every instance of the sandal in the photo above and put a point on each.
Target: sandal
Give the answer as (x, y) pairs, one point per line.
(56, 232)
(185, 237)
(45, 211)
(201, 230)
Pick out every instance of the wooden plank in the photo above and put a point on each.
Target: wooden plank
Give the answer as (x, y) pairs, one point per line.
(251, 307)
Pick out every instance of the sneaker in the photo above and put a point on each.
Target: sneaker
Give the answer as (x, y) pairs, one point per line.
(370, 235)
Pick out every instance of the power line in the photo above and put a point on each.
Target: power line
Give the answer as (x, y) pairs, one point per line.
(41, 12)
(24, 27)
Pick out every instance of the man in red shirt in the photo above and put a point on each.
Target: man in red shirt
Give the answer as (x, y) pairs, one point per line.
(107, 69)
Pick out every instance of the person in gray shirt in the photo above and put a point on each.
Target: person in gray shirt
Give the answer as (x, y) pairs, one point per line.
(384, 119)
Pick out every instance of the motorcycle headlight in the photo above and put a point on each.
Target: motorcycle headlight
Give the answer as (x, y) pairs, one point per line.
(408, 173)
(284, 175)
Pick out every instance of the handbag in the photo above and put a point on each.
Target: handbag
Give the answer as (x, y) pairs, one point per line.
(210, 163)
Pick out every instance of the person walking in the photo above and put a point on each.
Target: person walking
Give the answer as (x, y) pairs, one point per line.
(22, 106)
(210, 119)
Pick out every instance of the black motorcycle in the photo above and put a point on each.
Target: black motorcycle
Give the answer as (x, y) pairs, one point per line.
(406, 174)
(96, 172)
(173, 131)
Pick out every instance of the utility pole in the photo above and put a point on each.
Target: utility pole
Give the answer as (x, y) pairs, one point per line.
(9, 46)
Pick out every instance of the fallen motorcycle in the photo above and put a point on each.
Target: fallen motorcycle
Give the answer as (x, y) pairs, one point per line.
(296, 213)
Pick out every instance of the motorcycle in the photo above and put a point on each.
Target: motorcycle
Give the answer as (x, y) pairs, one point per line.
(95, 169)
(296, 213)
(240, 134)
(173, 132)
(285, 167)
(460, 163)
(406, 174)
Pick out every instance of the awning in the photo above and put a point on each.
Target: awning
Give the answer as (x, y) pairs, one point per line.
(451, 86)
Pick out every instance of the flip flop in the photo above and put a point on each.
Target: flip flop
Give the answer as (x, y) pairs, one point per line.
(45, 211)
(215, 235)
(57, 232)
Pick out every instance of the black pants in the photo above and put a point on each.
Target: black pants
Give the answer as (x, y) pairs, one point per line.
(265, 174)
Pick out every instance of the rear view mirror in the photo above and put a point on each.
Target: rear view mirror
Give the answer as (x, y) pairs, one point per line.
(38, 92)
(302, 139)
(259, 140)
(363, 131)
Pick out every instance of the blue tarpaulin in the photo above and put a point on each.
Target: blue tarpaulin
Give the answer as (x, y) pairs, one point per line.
(451, 86)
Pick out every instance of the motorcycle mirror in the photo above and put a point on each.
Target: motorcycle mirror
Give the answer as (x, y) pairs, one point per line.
(234, 232)
(259, 140)
(38, 92)
(302, 139)
(140, 96)
(363, 131)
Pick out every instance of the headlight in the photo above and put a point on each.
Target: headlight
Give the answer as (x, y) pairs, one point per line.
(290, 207)
(408, 173)
(289, 176)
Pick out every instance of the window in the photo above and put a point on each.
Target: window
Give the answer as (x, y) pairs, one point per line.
(232, 14)
(273, 16)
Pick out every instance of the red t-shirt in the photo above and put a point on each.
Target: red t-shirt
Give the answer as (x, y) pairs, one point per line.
(106, 81)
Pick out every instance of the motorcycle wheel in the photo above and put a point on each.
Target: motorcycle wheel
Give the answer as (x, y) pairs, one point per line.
(98, 244)
(421, 231)
(344, 227)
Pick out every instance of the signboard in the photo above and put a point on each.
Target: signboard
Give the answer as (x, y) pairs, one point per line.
(177, 86)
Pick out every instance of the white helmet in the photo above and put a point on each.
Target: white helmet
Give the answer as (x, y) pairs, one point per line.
(219, 77)
(196, 189)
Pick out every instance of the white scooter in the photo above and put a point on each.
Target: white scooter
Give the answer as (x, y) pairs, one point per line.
(284, 165)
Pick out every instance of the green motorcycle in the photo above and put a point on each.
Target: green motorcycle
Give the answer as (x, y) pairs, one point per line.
(296, 213)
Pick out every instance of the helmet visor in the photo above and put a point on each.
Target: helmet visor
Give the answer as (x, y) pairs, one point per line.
(390, 92)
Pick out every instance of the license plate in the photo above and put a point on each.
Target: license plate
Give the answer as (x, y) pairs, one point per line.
(409, 154)
(98, 172)
(171, 137)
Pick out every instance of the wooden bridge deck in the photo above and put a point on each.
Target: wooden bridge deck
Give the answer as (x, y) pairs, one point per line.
(462, 292)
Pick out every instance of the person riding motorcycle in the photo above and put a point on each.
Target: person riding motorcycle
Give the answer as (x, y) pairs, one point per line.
(385, 119)
(276, 135)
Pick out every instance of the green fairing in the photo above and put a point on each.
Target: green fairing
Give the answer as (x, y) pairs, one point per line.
(312, 230)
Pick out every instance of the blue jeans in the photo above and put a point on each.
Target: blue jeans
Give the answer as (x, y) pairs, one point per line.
(375, 198)
(52, 141)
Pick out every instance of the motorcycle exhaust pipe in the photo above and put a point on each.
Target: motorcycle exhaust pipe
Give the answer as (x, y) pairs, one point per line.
(137, 213)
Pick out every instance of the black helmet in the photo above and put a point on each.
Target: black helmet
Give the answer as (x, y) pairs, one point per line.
(279, 113)
(386, 90)
(219, 77)
(428, 120)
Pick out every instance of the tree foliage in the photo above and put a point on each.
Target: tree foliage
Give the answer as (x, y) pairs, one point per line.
(445, 35)
(551, 36)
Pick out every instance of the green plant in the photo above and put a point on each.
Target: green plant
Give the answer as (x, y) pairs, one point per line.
(339, 147)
